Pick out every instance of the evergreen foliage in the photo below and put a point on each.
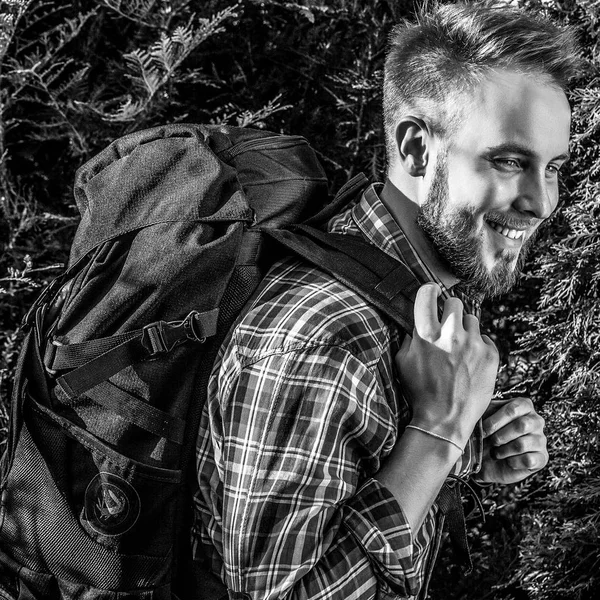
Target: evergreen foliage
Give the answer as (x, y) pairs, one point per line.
(76, 74)
(560, 550)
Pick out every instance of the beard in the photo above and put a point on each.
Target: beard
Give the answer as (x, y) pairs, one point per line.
(458, 241)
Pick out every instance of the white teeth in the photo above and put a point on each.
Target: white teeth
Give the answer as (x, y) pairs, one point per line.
(513, 234)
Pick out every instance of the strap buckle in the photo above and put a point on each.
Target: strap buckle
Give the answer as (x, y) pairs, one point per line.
(163, 336)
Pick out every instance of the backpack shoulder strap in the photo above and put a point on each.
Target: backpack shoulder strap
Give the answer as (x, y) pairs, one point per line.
(350, 191)
(383, 281)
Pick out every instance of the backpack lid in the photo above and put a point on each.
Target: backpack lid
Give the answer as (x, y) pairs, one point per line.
(154, 176)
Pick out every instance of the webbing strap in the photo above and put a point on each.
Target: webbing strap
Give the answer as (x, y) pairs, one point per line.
(137, 411)
(31, 370)
(384, 281)
(250, 247)
(58, 357)
(450, 503)
(89, 375)
(154, 339)
(350, 189)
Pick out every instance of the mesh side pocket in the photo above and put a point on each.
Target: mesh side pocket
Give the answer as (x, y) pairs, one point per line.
(42, 525)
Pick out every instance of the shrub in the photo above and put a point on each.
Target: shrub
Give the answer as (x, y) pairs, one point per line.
(75, 75)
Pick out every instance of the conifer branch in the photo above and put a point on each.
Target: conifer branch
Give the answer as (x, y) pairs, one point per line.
(154, 67)
(136, 11)
(54, 40)
(10, 13)
(256, 118)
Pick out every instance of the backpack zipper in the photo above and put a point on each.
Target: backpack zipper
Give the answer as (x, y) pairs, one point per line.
(273, 141)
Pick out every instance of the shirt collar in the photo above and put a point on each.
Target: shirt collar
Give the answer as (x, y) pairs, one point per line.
(376, 223)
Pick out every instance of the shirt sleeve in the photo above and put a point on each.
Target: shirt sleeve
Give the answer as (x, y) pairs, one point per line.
(297, 437)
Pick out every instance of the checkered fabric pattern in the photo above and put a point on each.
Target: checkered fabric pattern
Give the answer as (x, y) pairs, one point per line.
(302, 408)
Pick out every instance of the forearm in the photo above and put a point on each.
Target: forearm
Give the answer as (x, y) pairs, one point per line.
(447, 371)
(415, 471)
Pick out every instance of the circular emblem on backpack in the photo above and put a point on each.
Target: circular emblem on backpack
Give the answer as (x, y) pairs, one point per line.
(112, 506)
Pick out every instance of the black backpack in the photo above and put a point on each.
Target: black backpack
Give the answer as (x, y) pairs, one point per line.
(178, 226)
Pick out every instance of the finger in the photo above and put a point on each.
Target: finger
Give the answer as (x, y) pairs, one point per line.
(471, 323)
(404, 348)
(453, 313)
(527, 425)
(427, 323)
(511, 412)
(489, 341)
(520, 445)
(529, 461)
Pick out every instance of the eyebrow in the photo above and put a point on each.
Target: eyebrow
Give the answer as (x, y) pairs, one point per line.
(516, 148)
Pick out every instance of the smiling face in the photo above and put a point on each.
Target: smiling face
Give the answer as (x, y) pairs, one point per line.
(496, 180)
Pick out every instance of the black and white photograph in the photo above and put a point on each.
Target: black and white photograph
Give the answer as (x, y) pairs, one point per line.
(299, 300)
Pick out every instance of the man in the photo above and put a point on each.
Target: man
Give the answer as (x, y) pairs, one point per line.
(326, 438)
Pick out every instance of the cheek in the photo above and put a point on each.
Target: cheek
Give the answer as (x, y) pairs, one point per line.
(475, 192)
(475, 186)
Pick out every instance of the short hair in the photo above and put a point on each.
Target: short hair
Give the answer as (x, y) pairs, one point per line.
(450, 48)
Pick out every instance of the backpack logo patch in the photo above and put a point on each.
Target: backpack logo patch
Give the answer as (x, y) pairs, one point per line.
(112, 505)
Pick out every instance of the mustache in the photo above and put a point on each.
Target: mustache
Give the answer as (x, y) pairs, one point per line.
(510, 222)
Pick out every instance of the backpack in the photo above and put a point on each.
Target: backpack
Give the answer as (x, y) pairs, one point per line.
(178, 226)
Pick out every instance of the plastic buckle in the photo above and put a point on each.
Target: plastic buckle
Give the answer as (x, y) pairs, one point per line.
(192, 329)
(163, 336)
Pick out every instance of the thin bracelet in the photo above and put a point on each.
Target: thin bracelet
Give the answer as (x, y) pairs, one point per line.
(436, 435)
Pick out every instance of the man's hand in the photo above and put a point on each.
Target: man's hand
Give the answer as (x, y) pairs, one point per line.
(514, 444)
(447, 369)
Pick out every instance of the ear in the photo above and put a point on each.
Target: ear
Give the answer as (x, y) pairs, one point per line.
(413, 140)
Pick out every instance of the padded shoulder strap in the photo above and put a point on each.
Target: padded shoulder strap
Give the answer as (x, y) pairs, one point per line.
(348, 193)
(386, 283)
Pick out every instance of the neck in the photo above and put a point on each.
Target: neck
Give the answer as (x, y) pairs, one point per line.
(405, 211)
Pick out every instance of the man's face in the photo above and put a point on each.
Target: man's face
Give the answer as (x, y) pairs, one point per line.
(496, 179)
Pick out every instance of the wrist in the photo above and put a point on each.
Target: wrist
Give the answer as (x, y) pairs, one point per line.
(439, 450)
(437, 436)
(415, 471)
(454, 429)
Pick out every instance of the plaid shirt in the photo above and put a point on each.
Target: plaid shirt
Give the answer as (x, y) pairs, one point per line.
(302, 407)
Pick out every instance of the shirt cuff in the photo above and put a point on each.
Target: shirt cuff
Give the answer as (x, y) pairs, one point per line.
(376, 520)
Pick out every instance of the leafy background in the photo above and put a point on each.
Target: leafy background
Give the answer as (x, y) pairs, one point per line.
(76, 74)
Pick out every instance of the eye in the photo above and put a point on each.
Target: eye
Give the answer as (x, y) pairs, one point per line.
(507, 164)
(553, 170)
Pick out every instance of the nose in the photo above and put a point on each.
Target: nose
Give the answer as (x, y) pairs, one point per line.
(537, 195)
